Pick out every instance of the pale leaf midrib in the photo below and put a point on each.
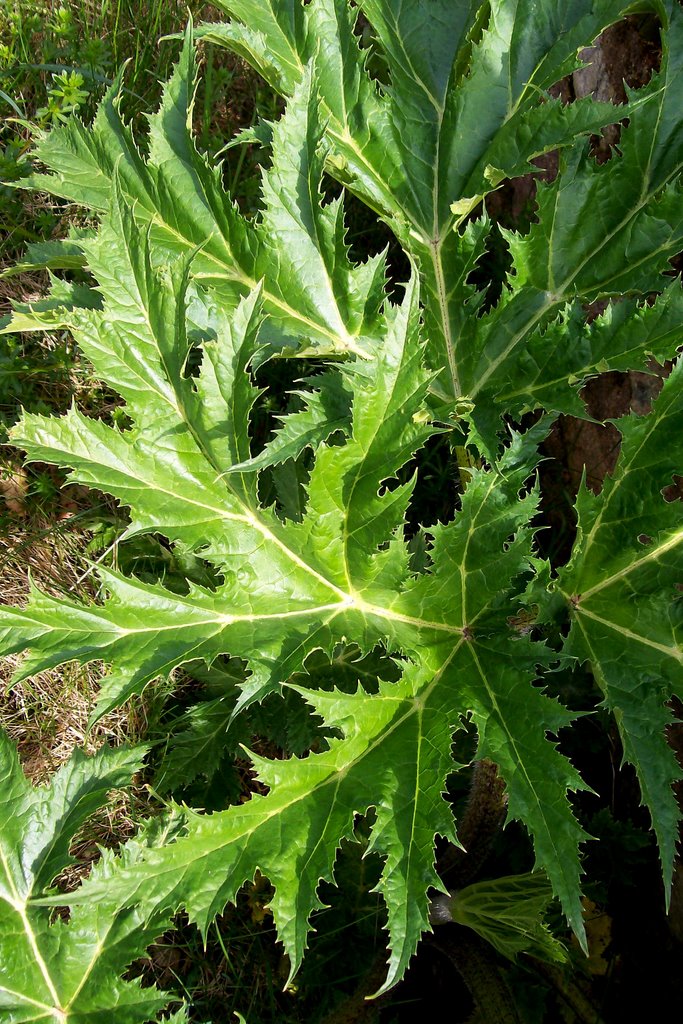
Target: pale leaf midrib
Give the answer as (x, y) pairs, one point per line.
(19, 907)
(350, 603)
(672, 652)
(22, 997)
(652, 555)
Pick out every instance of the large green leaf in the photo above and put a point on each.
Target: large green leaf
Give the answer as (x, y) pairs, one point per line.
(53, 970)
(394, 756)
(164, 468)
(288, 588)
(621, 222)
(623, 589)
(466, 106)
(180, 198)
(196, 298)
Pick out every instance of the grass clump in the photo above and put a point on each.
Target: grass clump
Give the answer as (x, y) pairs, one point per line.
(56, 59)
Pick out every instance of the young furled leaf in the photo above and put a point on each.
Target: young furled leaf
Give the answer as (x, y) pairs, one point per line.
(508, 912)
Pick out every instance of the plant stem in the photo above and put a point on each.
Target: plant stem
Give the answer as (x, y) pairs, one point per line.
(475, 962)
(483, 817)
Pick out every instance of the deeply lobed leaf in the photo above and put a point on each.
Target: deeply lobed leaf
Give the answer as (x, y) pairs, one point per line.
(193, 298)
(57, 971)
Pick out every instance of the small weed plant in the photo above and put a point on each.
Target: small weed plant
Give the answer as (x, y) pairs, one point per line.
(57, 59)
(315, 574)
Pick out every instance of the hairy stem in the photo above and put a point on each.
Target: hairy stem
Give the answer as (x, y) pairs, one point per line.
(483, 817)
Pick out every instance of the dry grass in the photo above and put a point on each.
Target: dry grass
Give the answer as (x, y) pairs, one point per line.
(47, 714)
(28, 287)
(110, 826)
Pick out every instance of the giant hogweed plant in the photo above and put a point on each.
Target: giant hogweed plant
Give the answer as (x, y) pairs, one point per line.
(191, 299)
